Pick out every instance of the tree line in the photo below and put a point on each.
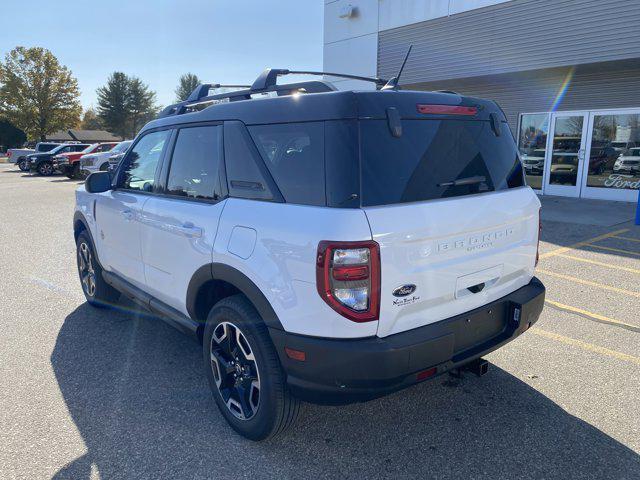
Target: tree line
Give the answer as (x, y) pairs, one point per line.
(39, 96)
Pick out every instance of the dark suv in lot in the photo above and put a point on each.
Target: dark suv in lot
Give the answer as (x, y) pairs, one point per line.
(42, 163)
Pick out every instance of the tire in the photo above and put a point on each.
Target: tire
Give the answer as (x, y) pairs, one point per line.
(74, 172)
(71, 171)
(234, 324)
(23, 165)
(104, 167)
(45, 169)
(97, 292)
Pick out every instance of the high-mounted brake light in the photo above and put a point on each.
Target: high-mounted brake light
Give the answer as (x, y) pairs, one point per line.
(446, 109)
(348, 278)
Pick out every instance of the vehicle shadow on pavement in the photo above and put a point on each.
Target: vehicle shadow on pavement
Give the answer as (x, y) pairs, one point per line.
(137, 394)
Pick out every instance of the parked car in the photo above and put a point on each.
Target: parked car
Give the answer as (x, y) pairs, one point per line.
(69, 163)
(564, 168)
(19, 155)
(629, 162)
(329, 246)
(99, 162)
(534, 163)
(42, 163)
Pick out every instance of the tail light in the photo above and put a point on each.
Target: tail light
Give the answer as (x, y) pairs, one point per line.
(539, 232)
(9, 154)
(348, 278)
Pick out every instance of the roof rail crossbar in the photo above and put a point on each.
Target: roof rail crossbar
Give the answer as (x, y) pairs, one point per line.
(268, 78)
(202, 90)
(196, 97)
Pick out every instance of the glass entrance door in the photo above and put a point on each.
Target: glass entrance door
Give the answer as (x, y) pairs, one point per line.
(566, 154)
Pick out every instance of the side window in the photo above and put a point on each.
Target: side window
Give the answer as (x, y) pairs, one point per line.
(140, 169)
(294, 155)
(246, 178)
(65, 150)
(195, 163)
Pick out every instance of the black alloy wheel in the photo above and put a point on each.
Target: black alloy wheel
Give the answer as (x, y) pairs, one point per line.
(45, 168)
(86, 269)
(235, 370)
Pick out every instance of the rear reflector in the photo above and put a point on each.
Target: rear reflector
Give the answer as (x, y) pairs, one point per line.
(426, 373)
(295, 354)
(446, 109)
(351, 273)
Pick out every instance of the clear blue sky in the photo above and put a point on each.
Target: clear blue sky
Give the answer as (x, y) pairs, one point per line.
(223, 41)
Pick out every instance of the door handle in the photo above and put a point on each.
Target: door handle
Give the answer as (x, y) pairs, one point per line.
(581, 154)
(189, 230)
(127, 214)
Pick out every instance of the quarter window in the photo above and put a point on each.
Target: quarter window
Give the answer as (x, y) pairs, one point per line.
(142, 161)
(294, 155)
(246, 178)
(195, 163)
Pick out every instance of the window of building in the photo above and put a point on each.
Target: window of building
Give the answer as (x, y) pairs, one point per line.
(614, 160)
(532, 144)
(195, 163)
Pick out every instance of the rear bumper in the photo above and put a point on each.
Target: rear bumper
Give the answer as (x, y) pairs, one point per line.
(343, 371)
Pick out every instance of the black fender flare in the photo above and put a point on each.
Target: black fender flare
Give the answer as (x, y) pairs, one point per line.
(79, 217)
(220, 271)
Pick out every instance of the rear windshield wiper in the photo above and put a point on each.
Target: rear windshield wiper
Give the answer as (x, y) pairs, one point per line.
(464, 181)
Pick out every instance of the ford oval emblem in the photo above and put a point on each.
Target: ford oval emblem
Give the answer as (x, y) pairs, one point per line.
(404, 290)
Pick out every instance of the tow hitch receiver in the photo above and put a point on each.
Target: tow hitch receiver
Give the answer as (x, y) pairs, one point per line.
(479, 366)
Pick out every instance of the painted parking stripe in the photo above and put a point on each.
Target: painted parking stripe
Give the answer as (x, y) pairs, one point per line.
(560, 250)
(586, 346)
(601, 264)
(596, 317)
(611, 249)
(628, 239)
(590, 283)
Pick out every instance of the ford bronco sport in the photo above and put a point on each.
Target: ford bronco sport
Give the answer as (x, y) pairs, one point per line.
(322, 245)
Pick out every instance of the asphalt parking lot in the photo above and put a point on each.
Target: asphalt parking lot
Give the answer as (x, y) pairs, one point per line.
(86, 393)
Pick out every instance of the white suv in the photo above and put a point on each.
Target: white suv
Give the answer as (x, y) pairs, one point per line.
(99, 162)
(325, 246)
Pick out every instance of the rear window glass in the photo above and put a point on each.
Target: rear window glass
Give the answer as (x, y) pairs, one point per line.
(294, 155)
(435, 159)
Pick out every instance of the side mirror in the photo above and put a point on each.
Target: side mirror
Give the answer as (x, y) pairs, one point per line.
(98, 182)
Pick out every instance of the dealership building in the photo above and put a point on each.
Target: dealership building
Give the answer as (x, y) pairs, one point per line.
(565, 72)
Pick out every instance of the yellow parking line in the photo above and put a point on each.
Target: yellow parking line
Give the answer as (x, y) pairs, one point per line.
(558, 251)
(601, 264)
(586, 346)
(592, 315)
(617, 250)
(629, 239)
(590, 283)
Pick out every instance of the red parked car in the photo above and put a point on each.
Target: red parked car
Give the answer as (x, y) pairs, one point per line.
(69, 163)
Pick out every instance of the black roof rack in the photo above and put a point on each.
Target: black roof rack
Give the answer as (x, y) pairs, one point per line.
(269, 77)
(265, 83)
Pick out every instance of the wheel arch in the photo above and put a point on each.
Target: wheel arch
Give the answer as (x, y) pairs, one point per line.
(215, 281)
(80, 225)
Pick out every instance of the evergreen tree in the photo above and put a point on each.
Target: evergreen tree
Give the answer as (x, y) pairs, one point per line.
(187, 83)
(113, 104)
(141, 104)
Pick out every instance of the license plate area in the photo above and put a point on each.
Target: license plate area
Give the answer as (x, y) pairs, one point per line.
(480, 327)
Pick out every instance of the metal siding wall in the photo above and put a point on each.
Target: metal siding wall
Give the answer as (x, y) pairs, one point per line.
(606, 85)
(513, 36)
